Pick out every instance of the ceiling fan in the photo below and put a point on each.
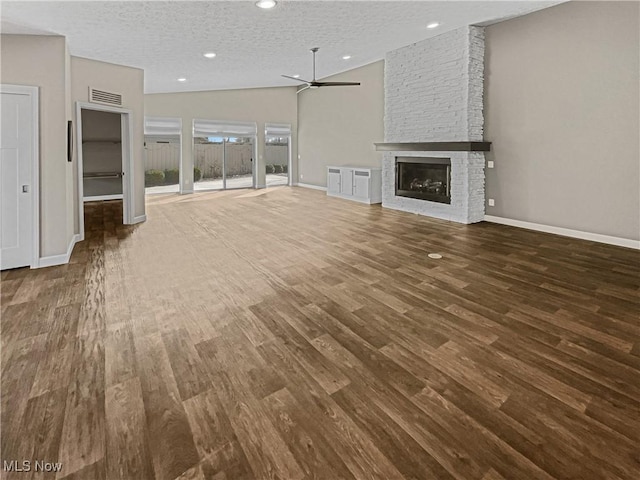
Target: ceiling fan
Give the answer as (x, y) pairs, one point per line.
(316, 84)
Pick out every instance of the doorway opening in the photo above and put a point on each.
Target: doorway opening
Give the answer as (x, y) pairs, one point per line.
(104, 158)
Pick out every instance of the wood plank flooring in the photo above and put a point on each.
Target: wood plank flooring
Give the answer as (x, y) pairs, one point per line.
(282, 334)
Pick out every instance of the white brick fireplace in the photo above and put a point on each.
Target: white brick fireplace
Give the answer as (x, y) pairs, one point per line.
(434, 93)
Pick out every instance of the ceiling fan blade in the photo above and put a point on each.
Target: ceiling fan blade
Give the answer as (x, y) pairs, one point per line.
(334, 84)
(296, 79)
(314, 83)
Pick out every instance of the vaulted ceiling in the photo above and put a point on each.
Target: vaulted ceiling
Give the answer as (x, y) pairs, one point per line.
(253, 46)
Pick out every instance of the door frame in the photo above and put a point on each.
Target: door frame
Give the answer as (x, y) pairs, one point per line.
(290, 166)
(126, 123)
(254, 161)
(34, 94)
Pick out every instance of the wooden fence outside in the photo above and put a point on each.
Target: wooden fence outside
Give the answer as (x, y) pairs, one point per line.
(208, 158)
(162, 156)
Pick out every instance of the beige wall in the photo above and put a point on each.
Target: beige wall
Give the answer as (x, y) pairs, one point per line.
(129, 82)
(338, 125)
(261, 105)
(562, 111)
(41, 61)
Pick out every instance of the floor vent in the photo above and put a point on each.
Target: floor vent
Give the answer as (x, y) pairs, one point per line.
(105, 98)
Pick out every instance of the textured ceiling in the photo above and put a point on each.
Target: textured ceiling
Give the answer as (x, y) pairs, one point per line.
(253, 46)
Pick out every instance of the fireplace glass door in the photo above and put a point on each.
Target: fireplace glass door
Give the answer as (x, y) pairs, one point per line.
(425, 178)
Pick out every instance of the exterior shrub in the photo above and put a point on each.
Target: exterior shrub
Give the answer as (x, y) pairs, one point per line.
(270, 168)
(197, 174)
(277, 168)
(153, 178)
(171, 176)
(285, 168)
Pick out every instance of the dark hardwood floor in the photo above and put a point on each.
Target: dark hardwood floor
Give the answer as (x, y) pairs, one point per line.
(282, 334)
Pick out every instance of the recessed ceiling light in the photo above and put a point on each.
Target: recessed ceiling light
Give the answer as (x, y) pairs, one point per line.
(209, 54)
(433, 25)
(266, 3)
(182, 79)
(346, 57)
(296, 76)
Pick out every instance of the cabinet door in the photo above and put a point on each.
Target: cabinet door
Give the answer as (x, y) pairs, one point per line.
(347, 181)
(361, 184)
(333, 181)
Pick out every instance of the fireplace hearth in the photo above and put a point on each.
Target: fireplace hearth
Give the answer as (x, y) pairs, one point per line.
(425, 178)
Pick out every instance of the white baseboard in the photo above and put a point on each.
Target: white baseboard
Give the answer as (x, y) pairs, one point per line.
(52, 260)
(260, 186)
(308, 185)
(566, 232)
(139, 219)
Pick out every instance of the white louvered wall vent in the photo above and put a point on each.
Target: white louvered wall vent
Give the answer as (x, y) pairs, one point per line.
(105, 98)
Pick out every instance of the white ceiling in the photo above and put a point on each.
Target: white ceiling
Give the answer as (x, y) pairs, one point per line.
(253, 46)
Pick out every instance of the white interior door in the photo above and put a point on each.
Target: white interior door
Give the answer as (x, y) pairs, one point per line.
(17, 191)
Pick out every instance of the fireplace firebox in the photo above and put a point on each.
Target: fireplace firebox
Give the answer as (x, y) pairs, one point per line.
(426, 178)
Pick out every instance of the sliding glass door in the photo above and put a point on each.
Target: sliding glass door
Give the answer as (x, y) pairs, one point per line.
(224, 155)
(238, 162)
(208, 163)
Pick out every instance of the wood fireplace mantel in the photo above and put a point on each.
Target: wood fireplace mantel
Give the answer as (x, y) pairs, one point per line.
(434, 147)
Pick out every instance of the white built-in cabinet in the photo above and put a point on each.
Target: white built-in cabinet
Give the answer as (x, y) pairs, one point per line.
(355, 183)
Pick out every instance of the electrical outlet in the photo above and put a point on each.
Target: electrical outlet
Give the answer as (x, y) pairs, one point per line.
(301, 176)
(490, 164)
(492, 202)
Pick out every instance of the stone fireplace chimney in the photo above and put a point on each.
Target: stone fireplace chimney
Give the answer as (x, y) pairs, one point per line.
(434, 93)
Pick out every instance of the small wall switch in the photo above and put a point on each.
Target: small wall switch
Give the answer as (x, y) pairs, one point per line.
(490, 164)
(492, 202)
